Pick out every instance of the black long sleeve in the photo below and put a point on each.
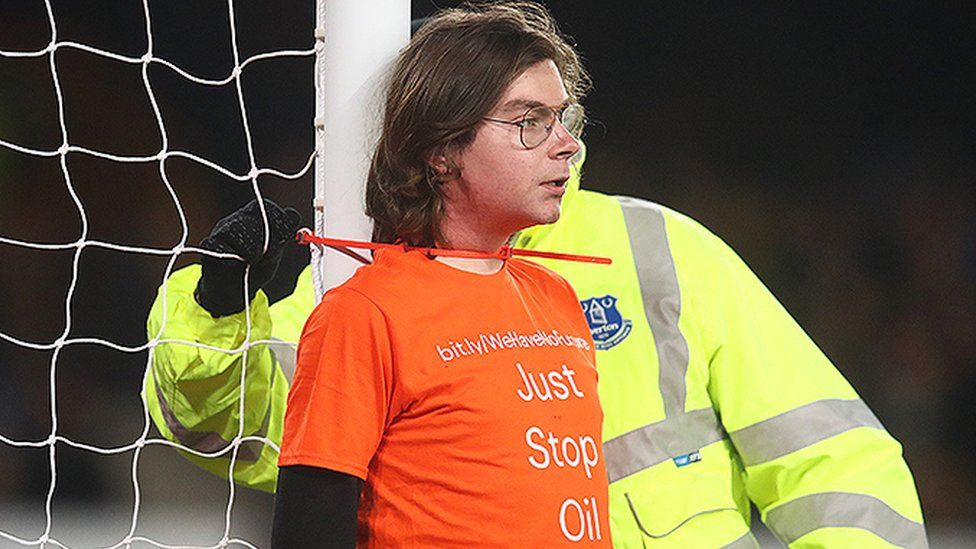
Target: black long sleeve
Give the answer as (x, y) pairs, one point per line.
(315, 508)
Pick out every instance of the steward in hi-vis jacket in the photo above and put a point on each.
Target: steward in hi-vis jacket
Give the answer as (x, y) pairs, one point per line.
(713, 396)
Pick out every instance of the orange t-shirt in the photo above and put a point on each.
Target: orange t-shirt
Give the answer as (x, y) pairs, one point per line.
(466, 402)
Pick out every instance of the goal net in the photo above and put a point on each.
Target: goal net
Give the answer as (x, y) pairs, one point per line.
(126, 130)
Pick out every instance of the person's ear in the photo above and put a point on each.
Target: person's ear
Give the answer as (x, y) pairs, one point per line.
(439, 165)
(442, 168)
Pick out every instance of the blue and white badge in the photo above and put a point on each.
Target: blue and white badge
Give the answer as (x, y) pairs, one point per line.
(687, 459)
(607, 326)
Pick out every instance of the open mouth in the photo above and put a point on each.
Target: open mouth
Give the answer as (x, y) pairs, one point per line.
(558, 183)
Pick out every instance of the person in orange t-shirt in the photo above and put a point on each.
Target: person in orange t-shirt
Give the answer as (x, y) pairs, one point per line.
(466, 401)
(442, 401)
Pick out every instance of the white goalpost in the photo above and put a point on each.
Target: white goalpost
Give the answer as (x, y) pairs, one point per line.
(355, 39)
(47, 358)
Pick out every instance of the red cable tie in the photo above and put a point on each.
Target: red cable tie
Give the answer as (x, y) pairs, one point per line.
(306, 236)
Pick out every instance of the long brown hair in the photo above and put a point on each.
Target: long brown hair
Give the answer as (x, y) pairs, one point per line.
(450, 76)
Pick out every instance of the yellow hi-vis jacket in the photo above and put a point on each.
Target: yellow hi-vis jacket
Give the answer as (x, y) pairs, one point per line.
(713, 396)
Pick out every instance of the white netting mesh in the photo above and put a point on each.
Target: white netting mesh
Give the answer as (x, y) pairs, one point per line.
(29, 332)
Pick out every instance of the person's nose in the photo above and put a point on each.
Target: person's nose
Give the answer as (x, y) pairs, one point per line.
(565, 145)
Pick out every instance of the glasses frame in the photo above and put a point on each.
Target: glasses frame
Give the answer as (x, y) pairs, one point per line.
(558, 117)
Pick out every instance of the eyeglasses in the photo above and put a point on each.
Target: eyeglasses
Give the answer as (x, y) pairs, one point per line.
(537, 123)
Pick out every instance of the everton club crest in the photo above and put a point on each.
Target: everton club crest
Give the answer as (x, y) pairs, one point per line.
(607, 325)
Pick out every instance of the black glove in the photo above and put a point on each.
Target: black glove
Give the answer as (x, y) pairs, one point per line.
(221, 287)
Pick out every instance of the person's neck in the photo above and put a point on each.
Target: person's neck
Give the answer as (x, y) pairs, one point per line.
(470, 239)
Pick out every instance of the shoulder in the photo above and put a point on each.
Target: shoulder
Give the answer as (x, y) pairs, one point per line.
(592, 214)
(378, 287)
(681, 233)
(639, 210)
(538, 276)
(343, 306)
(347, 323)
(378, 283)
(663, 240)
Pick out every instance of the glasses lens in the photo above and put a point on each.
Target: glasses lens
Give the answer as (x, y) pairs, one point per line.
(538, 122)
(573, 119)
(536, 125)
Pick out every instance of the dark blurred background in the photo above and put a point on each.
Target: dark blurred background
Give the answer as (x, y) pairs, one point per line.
(832, 145)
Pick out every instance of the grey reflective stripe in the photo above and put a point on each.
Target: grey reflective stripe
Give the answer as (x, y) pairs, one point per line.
(799, 428)
(647, 446)
(748, 541)
(662, 297)
(799, 517)
(286, 355)
(208, 442)
(679, 433)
